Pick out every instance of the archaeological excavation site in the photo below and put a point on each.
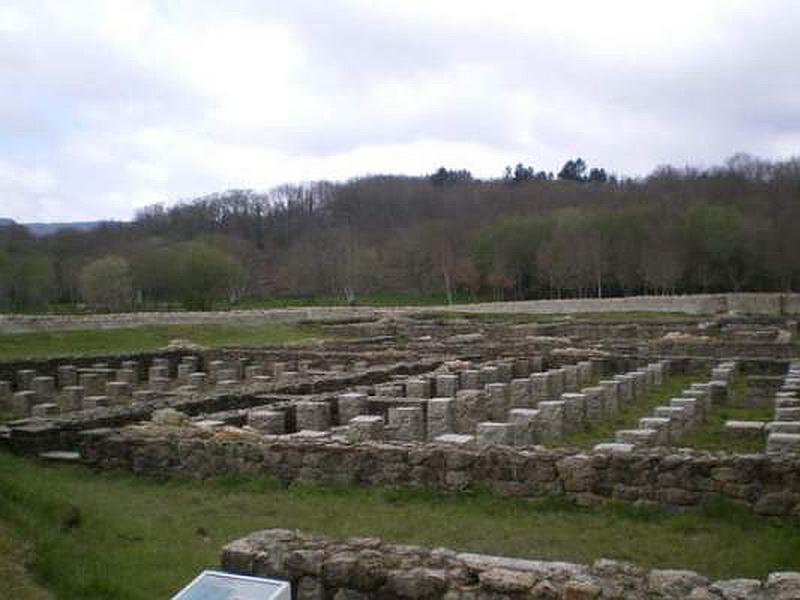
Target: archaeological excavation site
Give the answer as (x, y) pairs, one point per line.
(663, 412)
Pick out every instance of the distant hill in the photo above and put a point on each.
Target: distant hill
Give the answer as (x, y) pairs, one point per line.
(45, 229)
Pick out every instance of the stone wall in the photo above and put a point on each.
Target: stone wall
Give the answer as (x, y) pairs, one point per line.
(321, 568)
(768, 484)
(752, 303)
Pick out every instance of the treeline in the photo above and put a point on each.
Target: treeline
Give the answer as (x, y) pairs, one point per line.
(528, 234)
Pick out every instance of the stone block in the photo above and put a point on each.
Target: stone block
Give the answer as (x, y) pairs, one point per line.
(71, 398)
(678, 418)
(389, 390)
(5, 396)
(574, 413)
(488, 374)
(585, 372)
(126, 376)
(783, 443)
(132, 365)
(25, 379)
(144, 396)
(557, 381)
(157, 372)
(407, 423)
(365, 428)
(184, 370)
(90, 382)
(783, 427)
(22, 402)
(745, 429)
(595, 403)
(551, 417)
(571, 378)
(313, 416)
(118, 392)
(627, 393)
(640, 438)
(505, 371)
(541, 388)
(92, 402)
(159, 384)
(719, 392)
(662, 426)
(199, 380)
(613, 448)
(228, 374)
(521, 368)
(223, 386)
(269, 422)
(351, 405)
(489, 433)
(44, 410)
(787, 402)
(787, 414)
(45, 388)
(418, 388)
(703, 396)
(455, 439)
(498, 400)
(702, 391)
(519, 391)
(690, 406)
(641, 384)
(192, 361)
(446, 386)
(611, 389)
(440, 417)
(536, 363)
(67, 375)
(470, 379)
(526, 426)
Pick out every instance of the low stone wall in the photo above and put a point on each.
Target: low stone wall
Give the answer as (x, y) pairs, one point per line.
(767, 484)
(17, 323)
(750, 303)
(321, 568)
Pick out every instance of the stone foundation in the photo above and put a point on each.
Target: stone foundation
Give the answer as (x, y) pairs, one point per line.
(321, 568)
(768, 484)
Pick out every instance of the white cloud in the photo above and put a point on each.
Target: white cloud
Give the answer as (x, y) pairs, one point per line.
(112, 104)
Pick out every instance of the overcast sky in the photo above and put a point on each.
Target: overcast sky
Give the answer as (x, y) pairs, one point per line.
(108, 106)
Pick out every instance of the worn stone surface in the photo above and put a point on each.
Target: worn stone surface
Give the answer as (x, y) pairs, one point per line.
(360, 568)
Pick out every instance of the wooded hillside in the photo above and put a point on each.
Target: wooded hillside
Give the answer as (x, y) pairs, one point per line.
(526, 235)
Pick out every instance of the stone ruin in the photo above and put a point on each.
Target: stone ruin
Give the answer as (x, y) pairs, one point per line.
(446, 404)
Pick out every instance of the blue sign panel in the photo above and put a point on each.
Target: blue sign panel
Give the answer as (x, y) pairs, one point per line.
(215, 585)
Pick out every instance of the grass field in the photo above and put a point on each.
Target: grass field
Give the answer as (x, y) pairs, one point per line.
(109, 535)
(629, 417)
(17, 582)
(142, 339)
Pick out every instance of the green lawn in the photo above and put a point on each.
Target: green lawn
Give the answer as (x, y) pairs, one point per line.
(629, 417)
(143, 339)
(17, 582)
(142, 539)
